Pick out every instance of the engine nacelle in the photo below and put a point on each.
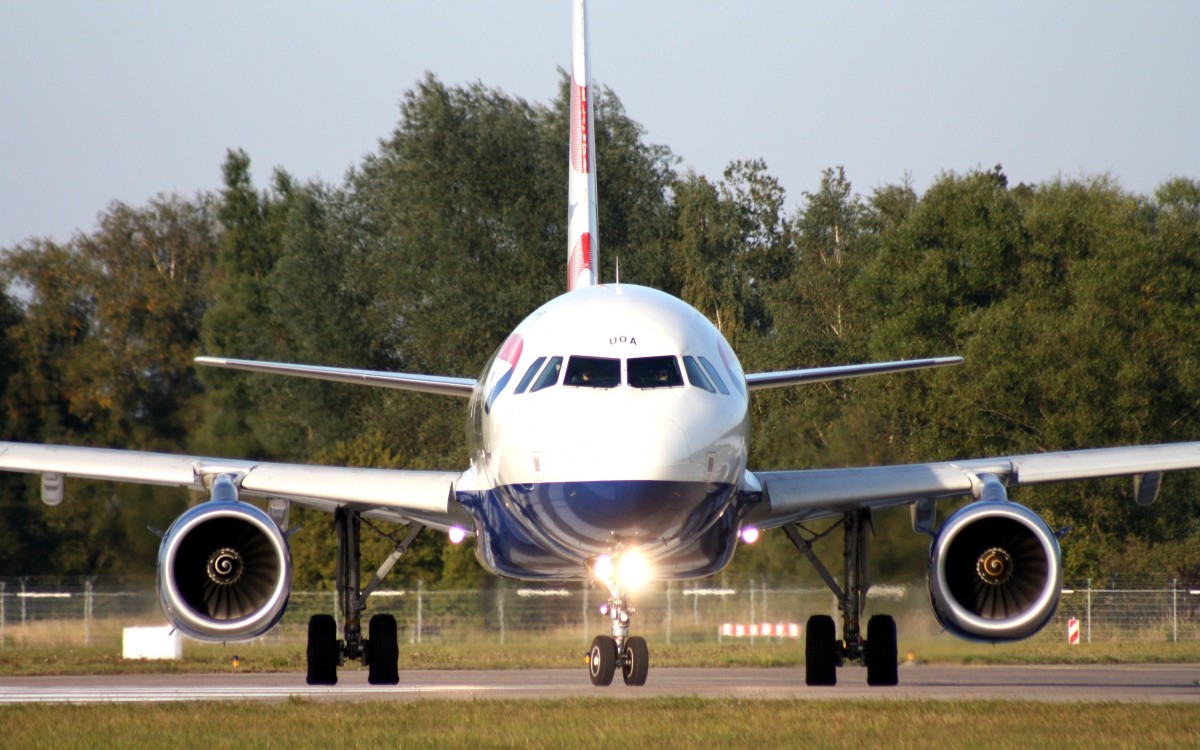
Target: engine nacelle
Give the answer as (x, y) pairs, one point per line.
(995, 572)
(224, 569)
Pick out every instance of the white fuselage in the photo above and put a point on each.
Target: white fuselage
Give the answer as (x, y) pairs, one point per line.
(614, 416)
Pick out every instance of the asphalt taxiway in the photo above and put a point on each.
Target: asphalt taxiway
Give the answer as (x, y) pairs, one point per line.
(1141, 683)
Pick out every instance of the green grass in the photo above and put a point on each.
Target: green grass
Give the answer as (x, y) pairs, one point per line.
(199, 657)
(658, 723)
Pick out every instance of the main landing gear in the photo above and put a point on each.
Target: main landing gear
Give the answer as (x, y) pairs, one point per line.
(823, 651)
(380, 650)
(608, 652)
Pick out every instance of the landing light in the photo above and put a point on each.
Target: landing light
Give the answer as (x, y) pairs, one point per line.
(750, 535)
(629, 571)
(633, 571)
(603, 568)
(456, 534)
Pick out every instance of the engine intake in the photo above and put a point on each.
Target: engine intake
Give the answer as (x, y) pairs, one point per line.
(995, 572)
(224, 569)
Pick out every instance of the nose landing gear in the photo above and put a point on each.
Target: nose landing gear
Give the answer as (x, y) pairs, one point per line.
(608, 652)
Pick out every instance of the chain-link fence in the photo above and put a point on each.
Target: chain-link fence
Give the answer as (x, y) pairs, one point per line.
(39, 612)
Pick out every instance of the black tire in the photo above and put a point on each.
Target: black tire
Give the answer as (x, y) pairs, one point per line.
(384, 651)
(820, 651)
(322, 650)
(637, 661)
(602, 660)
(881, 651)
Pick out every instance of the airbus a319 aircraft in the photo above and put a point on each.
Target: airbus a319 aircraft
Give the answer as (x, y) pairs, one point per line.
(608, 442)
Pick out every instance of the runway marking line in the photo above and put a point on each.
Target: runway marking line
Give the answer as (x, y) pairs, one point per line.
(161, 695)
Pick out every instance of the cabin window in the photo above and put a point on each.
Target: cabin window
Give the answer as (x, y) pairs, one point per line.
(593, 372)
(549, 376)
(696, 375)
(654, 372)
(716, 379)
(529, 375)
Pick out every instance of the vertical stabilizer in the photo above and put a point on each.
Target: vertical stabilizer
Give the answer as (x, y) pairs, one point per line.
(583, 241)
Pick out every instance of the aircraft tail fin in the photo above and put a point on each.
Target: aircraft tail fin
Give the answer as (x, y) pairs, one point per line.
(583, 243)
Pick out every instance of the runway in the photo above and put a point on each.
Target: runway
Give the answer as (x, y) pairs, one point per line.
(1141, 683)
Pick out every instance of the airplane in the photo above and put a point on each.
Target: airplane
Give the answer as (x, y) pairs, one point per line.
(609, 439)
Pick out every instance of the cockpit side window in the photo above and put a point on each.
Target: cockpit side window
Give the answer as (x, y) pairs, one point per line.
(549, 376)
(654, 372)
(593, 372)
(527, 378)
(696, 375)
(712, 373)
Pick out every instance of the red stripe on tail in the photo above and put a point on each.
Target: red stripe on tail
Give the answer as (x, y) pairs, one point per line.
(579, 130)
(581, 259)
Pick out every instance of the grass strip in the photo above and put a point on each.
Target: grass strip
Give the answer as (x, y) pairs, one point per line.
(658, 723)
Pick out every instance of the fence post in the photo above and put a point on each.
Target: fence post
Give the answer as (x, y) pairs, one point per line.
(500, 612)
(1089, 611)
(420, 608)
(2, 598)
(668, 613)
(87, 612)
(751, 623)
(1174, 610)
(23, 600)
(586, 592)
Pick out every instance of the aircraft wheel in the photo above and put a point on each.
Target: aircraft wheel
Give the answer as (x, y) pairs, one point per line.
(602, 660)
(881, 651)
(820, 651)
(385, 651)
(637, 661)
(322, 650)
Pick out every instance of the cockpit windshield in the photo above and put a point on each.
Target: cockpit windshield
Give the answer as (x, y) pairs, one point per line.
(654, 372)
(549, 376)
(529, 375)
(593, 372)
(643, 373)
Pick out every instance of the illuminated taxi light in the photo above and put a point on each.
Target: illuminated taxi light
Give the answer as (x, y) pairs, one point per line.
(750, 535)
(633, 570)
(603, 568)
(456, 534)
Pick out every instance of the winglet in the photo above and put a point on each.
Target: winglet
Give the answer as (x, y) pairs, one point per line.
(583, 239)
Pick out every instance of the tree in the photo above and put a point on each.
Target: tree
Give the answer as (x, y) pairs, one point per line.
(237, 322)
(103, 349)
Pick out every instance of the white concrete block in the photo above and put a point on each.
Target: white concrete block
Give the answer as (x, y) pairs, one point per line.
(152, 643)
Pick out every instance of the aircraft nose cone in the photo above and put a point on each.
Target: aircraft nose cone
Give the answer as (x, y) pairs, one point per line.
(645, 446)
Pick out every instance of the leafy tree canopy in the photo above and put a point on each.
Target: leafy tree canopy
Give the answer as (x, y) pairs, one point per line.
(1074, 302)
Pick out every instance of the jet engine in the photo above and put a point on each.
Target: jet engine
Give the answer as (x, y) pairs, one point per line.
(224, 569)
(995, 572)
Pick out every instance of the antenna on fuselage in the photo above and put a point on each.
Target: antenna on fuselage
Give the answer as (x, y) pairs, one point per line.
(583, 237)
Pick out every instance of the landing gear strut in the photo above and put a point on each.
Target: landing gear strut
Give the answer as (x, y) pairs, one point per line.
(607, 653)
(823, 651)
(380, 650)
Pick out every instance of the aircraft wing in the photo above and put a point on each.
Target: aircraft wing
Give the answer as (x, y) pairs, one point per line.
(790, 496)
(757, 381)
(439, 384)
(392, 494)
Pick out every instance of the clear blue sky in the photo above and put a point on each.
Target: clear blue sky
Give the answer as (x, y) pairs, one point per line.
(103, 101)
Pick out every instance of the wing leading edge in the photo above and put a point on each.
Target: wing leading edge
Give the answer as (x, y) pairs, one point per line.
(763, 380)
(790, 496)
(439, 384)
(425, 496)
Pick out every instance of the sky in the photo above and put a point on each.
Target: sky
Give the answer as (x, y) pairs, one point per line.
(124, 100)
